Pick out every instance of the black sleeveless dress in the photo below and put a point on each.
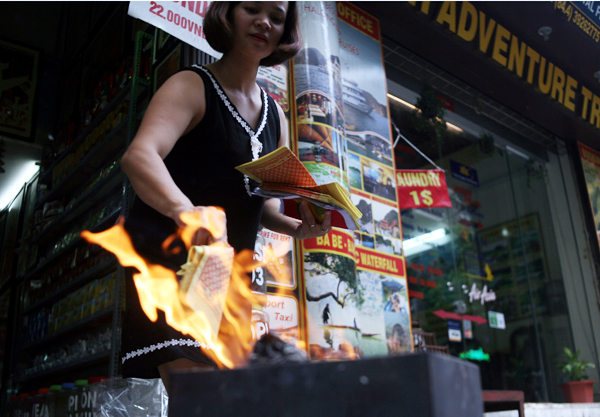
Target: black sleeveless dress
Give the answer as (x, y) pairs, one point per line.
(202, 164)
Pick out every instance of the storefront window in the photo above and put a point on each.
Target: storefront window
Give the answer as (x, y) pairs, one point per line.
(484, 275)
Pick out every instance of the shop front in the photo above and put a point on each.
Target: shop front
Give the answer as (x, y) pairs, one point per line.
(488, 252)
(505, 277)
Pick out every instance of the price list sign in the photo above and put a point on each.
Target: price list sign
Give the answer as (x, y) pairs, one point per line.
(422, 188)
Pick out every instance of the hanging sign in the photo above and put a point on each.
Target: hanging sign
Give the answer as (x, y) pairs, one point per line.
(422, 188)
(182, 19)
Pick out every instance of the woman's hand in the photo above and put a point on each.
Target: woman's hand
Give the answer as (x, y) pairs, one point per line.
(309, 227)
(305, 228)
(202, 225)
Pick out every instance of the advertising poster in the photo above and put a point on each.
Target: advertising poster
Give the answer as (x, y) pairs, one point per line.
(334, 296)
(275, 252)
(370, 160)
(182, 20)
(354, 296)
(274, 80)
(276, 283)
(318, 115)
(282, 312)
(422, 188)
(385, 313)
(590, 160)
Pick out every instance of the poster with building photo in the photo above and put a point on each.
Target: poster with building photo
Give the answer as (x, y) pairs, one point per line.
(590, 161)
(318, 116)
(348, 278)
(364, 94)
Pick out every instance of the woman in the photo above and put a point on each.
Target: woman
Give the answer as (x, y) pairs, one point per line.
(200, 124)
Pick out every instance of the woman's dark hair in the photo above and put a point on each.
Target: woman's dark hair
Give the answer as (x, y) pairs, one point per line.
(218, 32)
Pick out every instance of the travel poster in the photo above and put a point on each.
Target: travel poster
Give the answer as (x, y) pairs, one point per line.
(333, 296)
(318, 117)
(364, 96)
(384, 319)
(590, 161)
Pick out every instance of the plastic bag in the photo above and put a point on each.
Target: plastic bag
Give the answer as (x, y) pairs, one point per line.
(131, 397)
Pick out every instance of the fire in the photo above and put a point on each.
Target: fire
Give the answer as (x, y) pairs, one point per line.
(230, 344)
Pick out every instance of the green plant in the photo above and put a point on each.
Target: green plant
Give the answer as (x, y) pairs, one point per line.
(575, 368)
(429, 112)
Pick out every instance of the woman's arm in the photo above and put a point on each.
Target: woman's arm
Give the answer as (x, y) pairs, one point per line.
(176, 108)
(272, 219)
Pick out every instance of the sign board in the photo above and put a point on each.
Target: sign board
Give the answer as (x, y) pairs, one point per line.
(496, 320)
(182, 20)
(419, 188)
(585, 15)
(464, 173)
(454, 333)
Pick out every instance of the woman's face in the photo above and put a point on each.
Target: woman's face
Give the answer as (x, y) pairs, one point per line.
(258, 26)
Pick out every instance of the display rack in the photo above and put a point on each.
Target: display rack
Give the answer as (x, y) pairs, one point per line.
(64, 275)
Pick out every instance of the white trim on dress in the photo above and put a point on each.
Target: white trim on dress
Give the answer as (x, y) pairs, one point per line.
(254, 142)
(158, 346)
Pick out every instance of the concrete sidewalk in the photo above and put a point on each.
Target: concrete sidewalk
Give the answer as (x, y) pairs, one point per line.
(553, 410)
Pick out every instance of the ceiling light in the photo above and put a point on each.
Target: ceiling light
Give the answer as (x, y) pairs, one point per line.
(410, 106)
(425, 241)
(23, 174)
(454, 127)
(399, 100)
(516, 152)
(427, 237)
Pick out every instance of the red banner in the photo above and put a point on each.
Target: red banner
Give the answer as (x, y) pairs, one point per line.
(340, 242)
(380, 262)
(358, 19)
(419, 188)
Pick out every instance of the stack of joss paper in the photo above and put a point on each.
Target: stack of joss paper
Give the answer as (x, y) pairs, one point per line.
(281, 174)
(205, 281)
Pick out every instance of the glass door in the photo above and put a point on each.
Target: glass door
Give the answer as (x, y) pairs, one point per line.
(484, 275)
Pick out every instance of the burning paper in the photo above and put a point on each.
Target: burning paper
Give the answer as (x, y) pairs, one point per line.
(206, 277)
(221, 322)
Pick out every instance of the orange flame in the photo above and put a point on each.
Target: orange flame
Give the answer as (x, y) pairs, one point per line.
(158, 288)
